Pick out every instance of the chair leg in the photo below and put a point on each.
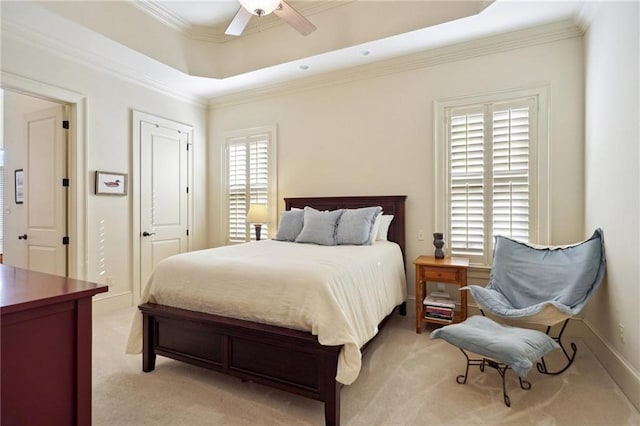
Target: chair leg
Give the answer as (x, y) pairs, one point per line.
(500, 367)
(462, 378)
(542, 365)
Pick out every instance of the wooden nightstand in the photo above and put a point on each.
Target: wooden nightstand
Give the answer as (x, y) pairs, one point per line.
(450, 270)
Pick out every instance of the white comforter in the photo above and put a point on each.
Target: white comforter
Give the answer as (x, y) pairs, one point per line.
(339, 293)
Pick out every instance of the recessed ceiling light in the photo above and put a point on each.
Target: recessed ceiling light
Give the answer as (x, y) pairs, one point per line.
(304, 67)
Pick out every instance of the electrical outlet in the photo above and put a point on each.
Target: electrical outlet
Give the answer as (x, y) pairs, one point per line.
(621, 332)
(420, 235)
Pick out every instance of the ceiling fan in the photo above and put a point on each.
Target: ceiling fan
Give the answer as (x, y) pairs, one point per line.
(249, 8)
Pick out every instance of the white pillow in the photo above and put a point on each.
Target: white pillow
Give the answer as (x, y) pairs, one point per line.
(375, 229)
(385, 222)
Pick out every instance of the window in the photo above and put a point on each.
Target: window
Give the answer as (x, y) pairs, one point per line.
(250, 178)
(490, 151)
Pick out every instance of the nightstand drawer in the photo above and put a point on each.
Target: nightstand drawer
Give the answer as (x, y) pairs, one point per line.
(442, 274)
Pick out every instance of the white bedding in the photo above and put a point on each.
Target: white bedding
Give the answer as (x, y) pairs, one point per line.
(339, 293)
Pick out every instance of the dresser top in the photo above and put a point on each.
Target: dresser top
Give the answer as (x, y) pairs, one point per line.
(22, 289)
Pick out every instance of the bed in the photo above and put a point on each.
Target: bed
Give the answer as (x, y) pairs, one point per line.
(285, 357)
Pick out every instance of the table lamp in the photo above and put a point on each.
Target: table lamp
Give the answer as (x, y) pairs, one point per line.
(258, 214)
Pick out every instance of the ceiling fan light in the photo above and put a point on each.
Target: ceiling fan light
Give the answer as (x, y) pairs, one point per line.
(260, 7)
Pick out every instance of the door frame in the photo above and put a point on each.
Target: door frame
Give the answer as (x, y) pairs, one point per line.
(137, 118)
(77, 161)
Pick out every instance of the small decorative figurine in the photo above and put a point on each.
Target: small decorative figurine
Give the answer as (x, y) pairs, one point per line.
(438, 242)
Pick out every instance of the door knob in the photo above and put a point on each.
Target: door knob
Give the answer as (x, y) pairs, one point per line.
(22, 237)
(144, 234)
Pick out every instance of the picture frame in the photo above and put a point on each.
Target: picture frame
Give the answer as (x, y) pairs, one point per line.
(19, 185)
(110, 183)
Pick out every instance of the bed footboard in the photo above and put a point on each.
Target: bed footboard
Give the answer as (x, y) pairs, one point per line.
(286, 359)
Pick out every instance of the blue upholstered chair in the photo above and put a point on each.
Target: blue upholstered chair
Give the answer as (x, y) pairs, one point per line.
(542, 285)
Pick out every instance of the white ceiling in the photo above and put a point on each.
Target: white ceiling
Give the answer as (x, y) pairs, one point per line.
(181, 45)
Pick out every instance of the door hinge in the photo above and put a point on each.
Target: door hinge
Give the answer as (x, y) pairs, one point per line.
(65, 241)
(187, 189)
(65, 124)
(187, 232)
(65, 181)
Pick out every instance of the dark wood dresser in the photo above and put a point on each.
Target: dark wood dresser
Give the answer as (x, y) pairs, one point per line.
(45, 355)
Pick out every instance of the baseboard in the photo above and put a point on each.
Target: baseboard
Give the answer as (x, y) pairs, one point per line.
(625, 376)
(112, 302)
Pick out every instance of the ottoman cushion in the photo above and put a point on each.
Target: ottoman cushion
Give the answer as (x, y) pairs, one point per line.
(516, 347)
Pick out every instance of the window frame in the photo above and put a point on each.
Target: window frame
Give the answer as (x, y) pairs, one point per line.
(231, 138)
(538, 167)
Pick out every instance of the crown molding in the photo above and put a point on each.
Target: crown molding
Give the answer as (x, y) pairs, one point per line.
(452, 53)
(215, 34)
(120, 69)
(163, 15)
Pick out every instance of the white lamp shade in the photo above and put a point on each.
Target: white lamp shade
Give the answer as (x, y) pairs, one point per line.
(260, 7)
(258, 213)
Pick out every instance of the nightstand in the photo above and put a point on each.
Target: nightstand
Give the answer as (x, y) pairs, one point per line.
(450, 270)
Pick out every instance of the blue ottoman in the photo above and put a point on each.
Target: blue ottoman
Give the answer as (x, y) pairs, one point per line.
(501, 347)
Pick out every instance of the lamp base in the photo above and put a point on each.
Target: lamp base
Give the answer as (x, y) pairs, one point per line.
(258, 229)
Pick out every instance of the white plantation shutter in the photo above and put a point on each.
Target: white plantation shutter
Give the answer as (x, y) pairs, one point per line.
(511, 145)
(489, 166)
(467, 182)
(248, 182)
(237, 190)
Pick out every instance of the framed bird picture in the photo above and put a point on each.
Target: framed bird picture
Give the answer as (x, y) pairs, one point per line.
(108, 183)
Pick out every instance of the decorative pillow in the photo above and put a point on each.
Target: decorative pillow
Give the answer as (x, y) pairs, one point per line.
(517, 347)
(290, 225)
(319, 227)
(385, 222)
(354, 226)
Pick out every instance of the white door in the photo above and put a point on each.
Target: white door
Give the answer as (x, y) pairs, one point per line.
(45, 197)
(164, 193)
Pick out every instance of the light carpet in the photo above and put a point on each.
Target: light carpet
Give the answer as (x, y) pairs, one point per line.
(406, 379)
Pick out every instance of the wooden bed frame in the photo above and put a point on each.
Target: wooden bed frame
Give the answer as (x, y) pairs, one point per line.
(282, 358)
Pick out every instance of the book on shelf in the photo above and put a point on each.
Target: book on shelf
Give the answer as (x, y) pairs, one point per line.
(438, 301)
(440, 318)
(432, 311)
(438, 310)
(440, 294)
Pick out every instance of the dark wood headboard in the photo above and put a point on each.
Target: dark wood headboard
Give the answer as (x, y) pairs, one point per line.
(391, 204)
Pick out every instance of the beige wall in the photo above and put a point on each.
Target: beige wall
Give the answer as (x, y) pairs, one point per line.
(375, 136)
(613, 176)
(108, 133)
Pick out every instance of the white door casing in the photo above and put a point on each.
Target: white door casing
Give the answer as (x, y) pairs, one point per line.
(76, 162)
(45, 197)
(164, 200)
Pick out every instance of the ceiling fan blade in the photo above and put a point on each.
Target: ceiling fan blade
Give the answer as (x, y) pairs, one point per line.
(239, 22)
(294, 18)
